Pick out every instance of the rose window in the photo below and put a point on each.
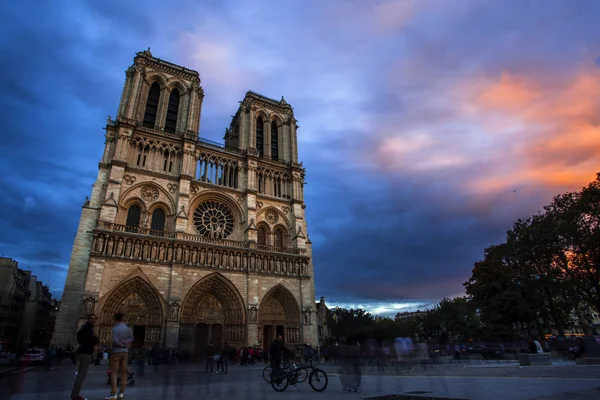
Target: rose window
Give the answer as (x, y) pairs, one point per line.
(213, 220)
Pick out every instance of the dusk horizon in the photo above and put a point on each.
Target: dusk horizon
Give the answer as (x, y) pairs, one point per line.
(426, 129)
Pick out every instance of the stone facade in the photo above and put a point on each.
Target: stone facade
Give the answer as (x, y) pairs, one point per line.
(194, 241)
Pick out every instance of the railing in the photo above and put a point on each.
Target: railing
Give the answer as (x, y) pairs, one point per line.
(188, 237)
(220, 146)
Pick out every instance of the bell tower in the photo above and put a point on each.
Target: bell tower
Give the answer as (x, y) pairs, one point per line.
(264, 127)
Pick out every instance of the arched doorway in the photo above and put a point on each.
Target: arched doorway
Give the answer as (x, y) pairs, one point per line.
(213, 311)
(279, 314)
(141, 305)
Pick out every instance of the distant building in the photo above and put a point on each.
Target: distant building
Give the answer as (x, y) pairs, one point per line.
(323, 332)
(27, 311)
(409, 314)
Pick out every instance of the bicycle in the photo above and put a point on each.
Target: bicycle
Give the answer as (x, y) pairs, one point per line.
(291, 377)
(288, 366)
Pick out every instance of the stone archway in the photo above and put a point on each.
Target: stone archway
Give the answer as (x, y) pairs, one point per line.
(141, 305)
(213, 311)
(278, 314)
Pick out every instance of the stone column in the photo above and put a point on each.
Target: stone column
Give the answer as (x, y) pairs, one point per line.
(135, 95)
(267, 138)
(161, 113)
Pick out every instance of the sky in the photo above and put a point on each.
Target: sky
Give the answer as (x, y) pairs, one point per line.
(426, 127)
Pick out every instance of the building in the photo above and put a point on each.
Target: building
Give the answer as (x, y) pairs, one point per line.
(14, 291)
(323, 332)
(194, 241)
(409, 314)
(37, 322)
(26, 308)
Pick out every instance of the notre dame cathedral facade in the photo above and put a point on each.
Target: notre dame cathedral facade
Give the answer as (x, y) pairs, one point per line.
(194, 241)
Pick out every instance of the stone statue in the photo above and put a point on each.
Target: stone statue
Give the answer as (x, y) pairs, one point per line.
(145, 251)
(136, 250)
(161, 252)
(120, 248)
(154, 251)
(110, 247)
(100, 244)
(128, 248)
(169, 253)
(89, 303)
(202, 256)
(175, 310)
(253, 314)
(231, 261)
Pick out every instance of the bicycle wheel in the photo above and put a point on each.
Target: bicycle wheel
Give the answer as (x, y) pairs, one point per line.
(280, 384)
(318, 380)
(267, 374)
(302, 375)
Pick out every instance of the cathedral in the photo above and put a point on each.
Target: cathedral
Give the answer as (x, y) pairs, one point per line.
(194, 241)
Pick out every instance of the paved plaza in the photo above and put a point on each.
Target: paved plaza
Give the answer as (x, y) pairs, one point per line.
(189, 381)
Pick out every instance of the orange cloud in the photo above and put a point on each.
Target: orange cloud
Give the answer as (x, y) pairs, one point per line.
(505, 132)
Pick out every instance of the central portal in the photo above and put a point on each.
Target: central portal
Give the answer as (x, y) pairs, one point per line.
(213, 311)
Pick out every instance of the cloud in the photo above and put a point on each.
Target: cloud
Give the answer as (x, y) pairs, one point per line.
(426, 127)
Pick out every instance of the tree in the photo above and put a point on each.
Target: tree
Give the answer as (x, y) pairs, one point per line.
(530, 256)
(498, 296)
(575, 233)
(458, 319)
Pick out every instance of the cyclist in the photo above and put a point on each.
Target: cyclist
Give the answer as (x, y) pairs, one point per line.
(277, 350)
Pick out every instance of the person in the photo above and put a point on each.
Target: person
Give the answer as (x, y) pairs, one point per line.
(210, 355)
(277, 350)
(121, 340)
(87, 339)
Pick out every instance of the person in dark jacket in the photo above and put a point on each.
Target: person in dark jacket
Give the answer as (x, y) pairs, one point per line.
(277, 351)
(87, 339)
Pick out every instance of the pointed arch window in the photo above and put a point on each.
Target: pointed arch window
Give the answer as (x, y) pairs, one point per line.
(172, 111)
(261, 236)
(158, 220)
(278, 238)
(134, 215)
(260, 139)
(274, 141)
(152, 105)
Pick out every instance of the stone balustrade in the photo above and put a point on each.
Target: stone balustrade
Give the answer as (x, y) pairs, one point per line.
(145, 245)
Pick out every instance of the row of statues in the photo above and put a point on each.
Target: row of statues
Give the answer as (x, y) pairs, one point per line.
(138, 249)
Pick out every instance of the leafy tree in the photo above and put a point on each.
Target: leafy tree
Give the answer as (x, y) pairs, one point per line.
(500, 298)
(458, 319)
(530, 256)
(575, 233)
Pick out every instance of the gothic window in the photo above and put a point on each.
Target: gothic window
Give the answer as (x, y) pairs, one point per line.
(158, 220)
(278, 238)
(152, 105)
(172, 111)
(274, 142)
(261, 236)
(259, 135)
(134, 215)
(213, 220)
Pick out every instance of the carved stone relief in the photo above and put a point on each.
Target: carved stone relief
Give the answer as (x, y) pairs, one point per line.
(149, 193)
(129, 179)
(272, 217)
(172, 187)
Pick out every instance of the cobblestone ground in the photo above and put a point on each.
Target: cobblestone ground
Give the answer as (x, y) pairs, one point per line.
(190, 382)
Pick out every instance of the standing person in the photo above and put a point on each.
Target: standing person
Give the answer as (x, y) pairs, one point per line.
(210, 354)
(121, 339)
(87, 339)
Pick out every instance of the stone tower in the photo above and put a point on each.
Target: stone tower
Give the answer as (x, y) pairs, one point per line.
(194, 241)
